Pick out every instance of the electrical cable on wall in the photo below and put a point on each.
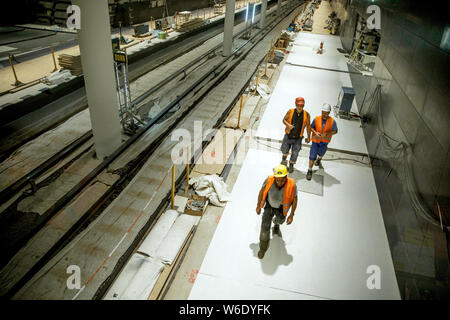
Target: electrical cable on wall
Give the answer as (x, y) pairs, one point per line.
(400, 158)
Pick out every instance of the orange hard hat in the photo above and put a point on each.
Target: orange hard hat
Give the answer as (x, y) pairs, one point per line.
(300, 100)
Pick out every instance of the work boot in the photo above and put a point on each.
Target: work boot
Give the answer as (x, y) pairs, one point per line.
(263, 246)
(261, 254)
(291, 167)
(317, 163)
(276, 229)
(309, 175)
(284, 161)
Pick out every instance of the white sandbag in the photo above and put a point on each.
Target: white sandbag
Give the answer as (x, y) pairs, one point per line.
(57, 77)
(213, 187)
(136, 280)
(175, 238)
(264, 91)
(158, 232)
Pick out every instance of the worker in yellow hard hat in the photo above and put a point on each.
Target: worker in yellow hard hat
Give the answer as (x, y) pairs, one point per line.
(276, 199)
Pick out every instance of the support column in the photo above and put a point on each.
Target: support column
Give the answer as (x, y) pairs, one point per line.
(262, 20)
(94, 39)
(279, 7)
(228, 29)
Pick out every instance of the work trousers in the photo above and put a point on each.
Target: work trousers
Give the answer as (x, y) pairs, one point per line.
(291, 144)
(269, 214)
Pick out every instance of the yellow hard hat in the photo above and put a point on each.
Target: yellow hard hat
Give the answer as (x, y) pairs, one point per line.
(280, 171)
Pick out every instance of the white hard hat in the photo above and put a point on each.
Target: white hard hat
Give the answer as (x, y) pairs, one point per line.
(326, 107)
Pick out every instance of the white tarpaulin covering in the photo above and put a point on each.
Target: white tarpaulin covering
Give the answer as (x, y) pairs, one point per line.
(174, 239)
(158, 232)
(213, 187)
(137, 279)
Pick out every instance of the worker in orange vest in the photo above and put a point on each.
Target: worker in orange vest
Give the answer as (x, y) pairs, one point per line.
(295, 120)
(277, 195)
(323, 128)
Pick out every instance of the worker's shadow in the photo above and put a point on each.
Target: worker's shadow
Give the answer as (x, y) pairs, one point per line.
(319, 176)
(275, 256)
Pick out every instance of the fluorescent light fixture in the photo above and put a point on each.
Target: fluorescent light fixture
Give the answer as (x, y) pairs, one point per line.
(445, 41)
(253, 15)
(246, 13)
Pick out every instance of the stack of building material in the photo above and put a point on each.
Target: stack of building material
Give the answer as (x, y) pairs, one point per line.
(72, 63)
(191, 25)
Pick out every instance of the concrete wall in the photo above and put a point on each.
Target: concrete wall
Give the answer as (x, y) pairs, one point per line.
(415, 108)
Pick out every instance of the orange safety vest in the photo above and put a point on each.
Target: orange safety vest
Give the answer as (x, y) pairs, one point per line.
(328, 128)
(288, 194)
(305, 118)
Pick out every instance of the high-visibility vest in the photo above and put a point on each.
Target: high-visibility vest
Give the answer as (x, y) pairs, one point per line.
(305, 119)
(328, 128)
(288, 194)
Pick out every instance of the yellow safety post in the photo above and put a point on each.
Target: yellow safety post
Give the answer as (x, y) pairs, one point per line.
(172, 198)
(257, 79)
(54, 60)
(17, 83)
(187, 170)
(271, 52)
(240, 109)
(264, 76)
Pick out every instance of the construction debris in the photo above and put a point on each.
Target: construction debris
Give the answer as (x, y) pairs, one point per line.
(72, 63)
(191, 25)
(213, 187)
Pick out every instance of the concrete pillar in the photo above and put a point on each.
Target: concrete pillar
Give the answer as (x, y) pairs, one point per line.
(279, 7)
(228, 29)
(262, 20)
(94, 39)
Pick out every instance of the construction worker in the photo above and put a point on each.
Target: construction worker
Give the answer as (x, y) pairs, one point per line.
(323, 128)
(277, 195)
(292, 26)
(295, 120)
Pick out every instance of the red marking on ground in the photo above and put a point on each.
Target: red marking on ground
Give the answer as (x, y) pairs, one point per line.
(138, 217)
(98, 269)
(131, 227)
(213, 154)
(218, 219)
(192, 276)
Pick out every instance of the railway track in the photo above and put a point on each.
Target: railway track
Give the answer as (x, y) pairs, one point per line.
(194, 94)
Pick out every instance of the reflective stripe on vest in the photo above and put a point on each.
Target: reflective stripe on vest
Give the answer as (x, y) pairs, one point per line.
(288, 194)
(305, 118)
(328, 128)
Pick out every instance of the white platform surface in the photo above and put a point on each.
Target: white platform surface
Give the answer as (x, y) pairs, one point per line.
(316, 87)
(324, 253)
(304, 52)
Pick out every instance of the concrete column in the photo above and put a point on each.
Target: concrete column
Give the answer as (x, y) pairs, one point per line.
(228, 29)
(279, 7)
(94, 39)
(262, 20)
